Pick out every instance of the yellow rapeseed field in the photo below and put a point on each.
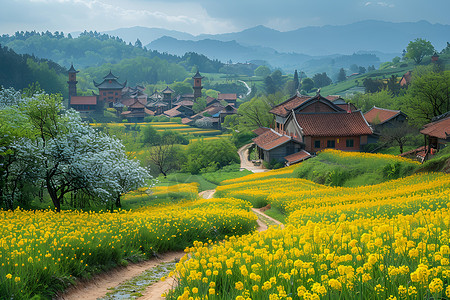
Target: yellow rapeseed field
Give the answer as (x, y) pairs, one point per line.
(42, 251)
(384, 241)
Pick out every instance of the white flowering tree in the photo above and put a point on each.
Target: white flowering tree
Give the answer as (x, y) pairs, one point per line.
(65, 156)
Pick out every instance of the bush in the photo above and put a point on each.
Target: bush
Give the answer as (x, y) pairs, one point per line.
(202, 153)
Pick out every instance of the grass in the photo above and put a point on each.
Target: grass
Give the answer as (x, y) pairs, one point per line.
(277, 214)
(206, 181)
(336, 168)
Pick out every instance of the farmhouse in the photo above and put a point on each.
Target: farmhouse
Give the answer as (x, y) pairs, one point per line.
(315, 123)
(437, 132)
(380, 118)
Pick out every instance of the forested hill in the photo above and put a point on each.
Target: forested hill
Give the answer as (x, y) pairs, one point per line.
(19, 71)
(93, 49)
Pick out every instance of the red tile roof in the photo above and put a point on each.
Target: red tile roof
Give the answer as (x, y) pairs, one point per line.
(260, 130)
(284, 108)
(136, 104)
(439, 129)
(173, 112)
(83, 100)
(297, 157)
(227, 97)
(378, 115)
(149, 112)
(271, 139)
(346, 106)
(333, 124)
(186, 120)
(333, 97)
(186, 103)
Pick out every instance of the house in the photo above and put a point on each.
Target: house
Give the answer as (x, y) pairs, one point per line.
(137, 111)
(338, 101)
(227, 111)
(179, 111)
(110, 90)
(437, 132)
(275, 146)
(314, 123)
(406, 79)
(380, 118)
(229, 98)
(83, 103)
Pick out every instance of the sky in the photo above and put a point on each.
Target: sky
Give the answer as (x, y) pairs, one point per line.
(209, 16)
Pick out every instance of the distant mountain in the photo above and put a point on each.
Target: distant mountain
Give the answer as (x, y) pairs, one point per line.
(235, 52)
(367, 35)
(146, 35)
(386, 39)
(226, 51)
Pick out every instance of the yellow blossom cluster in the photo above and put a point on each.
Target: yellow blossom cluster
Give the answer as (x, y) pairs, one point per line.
(405, 256)
(43, 248)
(358, 155)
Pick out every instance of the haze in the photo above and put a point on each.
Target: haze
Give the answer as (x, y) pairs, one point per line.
(207, 16)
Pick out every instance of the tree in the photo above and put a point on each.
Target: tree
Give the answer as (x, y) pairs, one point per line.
(341, 75)
(361, 70)
(277, 78)
(321, 79)
(255, 113)
(199, 104)
(149, 136)
(418, 49)
(393, 86)
(307, 84)
(164, 156)
(269, 85)
(262, 71)
(296, 81)
(66, 156)
(428, 96)
(209, 155)
(397, 132)
(372, 86)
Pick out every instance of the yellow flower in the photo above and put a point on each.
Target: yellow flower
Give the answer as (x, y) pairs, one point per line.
(9, 276)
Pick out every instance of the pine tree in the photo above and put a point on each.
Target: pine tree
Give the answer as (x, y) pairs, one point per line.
(296, 82)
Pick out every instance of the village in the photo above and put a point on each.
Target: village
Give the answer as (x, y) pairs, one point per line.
(303, 125)
(217, 150)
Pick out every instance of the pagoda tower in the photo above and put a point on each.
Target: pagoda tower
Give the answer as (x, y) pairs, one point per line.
(72, 81)
(110, 90)
(167, 96)
(197, 85)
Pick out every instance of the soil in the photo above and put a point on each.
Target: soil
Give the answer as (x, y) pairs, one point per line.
(100, 284)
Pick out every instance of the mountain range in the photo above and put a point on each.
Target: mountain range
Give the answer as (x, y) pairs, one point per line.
(370, 35)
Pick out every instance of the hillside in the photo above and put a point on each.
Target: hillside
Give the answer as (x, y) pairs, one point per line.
(19, 71)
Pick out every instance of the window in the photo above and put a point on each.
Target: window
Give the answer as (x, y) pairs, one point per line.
(316, 144)
(331, 144)
(117, 93)
(349, 143)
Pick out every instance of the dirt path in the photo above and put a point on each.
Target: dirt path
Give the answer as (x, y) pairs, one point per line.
(100, 284)
(208, 194)
(268, 220)
(245, 163)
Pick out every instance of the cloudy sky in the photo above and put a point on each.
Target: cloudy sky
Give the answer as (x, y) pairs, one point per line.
(209, 16)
